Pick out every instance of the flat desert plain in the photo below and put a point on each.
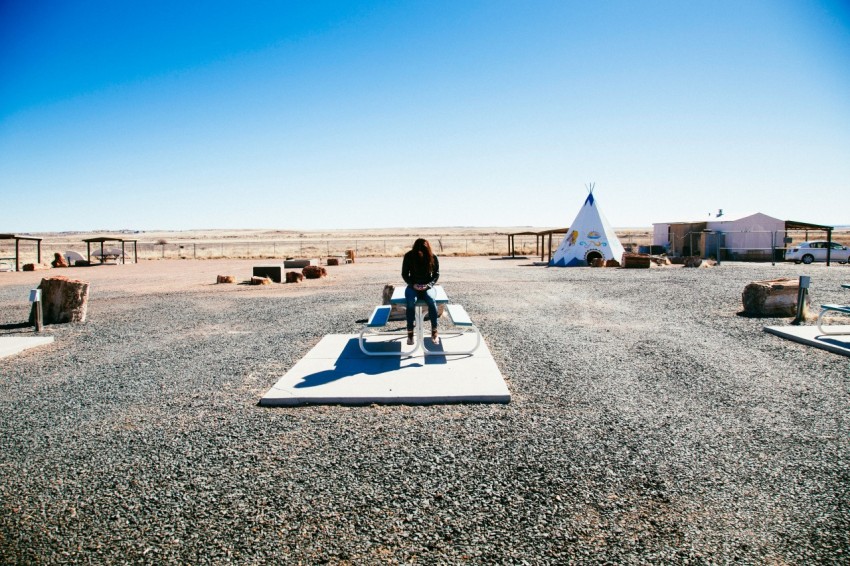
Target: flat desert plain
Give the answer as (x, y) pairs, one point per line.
(382, 242)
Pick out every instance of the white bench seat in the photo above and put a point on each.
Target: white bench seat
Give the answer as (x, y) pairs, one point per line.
(380, 316)
(458, 315)
(844, 309)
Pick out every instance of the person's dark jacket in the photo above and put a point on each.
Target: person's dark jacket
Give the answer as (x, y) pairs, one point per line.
(416, 272)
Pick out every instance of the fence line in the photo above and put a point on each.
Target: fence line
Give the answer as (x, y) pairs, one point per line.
(363, 247)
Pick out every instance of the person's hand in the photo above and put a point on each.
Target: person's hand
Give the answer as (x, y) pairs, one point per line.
(419, 287)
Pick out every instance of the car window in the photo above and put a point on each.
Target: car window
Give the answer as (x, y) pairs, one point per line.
(836, 246)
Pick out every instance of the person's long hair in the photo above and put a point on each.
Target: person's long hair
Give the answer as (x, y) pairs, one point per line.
(423, 253)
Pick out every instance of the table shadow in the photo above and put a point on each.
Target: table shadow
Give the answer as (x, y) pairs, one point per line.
(352, 361)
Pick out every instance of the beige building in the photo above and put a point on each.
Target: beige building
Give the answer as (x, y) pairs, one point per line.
(757, 237)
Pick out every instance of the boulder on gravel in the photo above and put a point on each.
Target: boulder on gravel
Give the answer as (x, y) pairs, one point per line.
(63, 300)
(225, 279)
(314, 272)
(774, 297)
(636, 261)
(260, 280)
(35, 267)
(59, 260)
(397, 312)
(294, 277)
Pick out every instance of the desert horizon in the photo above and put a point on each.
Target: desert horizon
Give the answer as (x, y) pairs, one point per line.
(268, 243)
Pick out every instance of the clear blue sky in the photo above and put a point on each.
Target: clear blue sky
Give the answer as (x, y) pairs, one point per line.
(208, 114)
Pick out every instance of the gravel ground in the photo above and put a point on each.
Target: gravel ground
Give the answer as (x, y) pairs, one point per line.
(649, 424)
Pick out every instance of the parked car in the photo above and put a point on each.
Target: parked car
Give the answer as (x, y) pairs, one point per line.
(807, 252)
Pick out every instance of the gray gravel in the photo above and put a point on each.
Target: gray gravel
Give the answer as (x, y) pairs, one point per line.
(649, 424)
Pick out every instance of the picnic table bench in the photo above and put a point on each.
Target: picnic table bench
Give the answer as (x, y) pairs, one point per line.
(843, 309)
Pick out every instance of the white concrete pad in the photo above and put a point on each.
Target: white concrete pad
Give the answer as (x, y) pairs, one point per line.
(811, 336)
(336, 372)
(10, 345)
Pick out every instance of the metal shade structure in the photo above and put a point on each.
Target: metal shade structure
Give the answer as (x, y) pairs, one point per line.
(795, 225)
(102, 239)
(17, 246)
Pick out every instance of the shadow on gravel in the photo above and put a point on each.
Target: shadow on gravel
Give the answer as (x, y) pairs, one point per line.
(15, 326)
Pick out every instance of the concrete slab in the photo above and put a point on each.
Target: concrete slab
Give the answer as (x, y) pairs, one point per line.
(10, 345)
(336, 372)
(811, 336)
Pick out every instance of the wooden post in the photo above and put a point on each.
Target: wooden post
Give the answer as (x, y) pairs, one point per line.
(17, 254)
(38, 247)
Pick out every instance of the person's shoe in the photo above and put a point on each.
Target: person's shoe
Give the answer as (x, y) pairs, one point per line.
(410, 338)
(434, 338)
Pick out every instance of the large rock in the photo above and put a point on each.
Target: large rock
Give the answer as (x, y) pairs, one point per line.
(63, 300)
(397, 312)
(774, 298)
(294, 277)
(314, 272)
(636, 261)
(260, 280)
(59, 260)
(692, 261)
(225, 279)
(34, 267)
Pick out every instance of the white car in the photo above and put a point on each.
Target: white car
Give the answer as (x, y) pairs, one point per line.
(807, 252)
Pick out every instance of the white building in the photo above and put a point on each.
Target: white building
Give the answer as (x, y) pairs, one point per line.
(754, 237)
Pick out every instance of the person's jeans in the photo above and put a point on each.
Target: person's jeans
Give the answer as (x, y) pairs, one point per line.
(411, 295)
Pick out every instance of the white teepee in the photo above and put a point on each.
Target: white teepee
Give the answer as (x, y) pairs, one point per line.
(590, 236)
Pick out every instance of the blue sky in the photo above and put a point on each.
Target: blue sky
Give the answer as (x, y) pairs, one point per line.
(320, 115)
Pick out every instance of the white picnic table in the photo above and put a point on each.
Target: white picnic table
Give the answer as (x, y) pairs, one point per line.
(456, 313)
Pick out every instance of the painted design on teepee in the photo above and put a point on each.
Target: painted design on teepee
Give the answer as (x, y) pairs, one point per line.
(590, 236)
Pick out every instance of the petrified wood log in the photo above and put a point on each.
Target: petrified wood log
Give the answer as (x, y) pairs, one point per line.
(59, 260)
(774, 297)
(63, 300)
(314, 272)
(294, 277)
(225, 279)
(636, 261)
